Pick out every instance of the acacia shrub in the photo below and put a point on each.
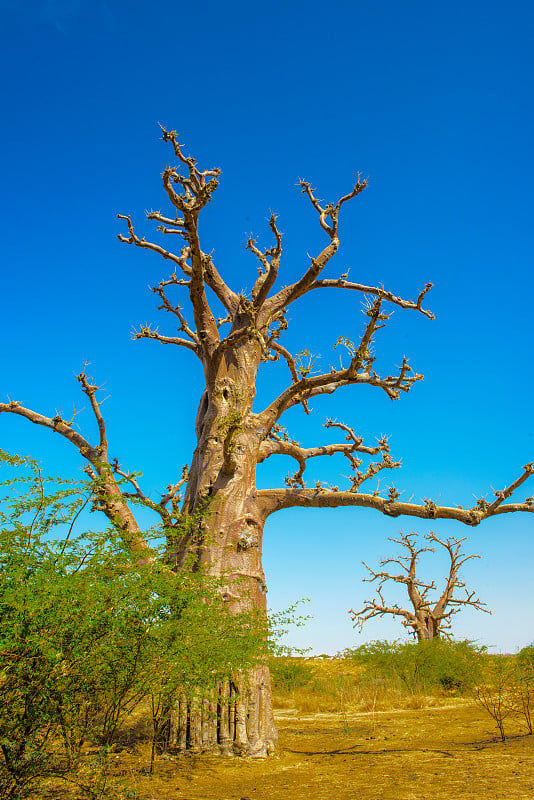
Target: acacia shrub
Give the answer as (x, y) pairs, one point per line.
(288, 674)
(448, 666)
(525, 659)
(86, 635)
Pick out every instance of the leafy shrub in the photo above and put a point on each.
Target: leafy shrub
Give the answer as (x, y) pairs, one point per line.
(525, 659)
(86, 634)
(453, 667)
(288, 674)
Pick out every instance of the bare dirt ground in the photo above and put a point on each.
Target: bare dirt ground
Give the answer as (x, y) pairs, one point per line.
(437, 753)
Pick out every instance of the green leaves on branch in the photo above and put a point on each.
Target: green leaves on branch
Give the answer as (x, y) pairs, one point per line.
(86, 635)
(422, 666)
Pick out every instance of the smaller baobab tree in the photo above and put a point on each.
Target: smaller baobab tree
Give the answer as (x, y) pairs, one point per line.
(430, 618)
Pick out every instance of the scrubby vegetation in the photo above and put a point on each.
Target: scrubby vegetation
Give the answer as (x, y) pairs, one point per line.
(95, 649)
(379, 675)
(383, 675)
(87, 636)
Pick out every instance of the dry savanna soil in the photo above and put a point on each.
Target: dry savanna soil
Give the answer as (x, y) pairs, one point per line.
(339, 740)
(448, 751)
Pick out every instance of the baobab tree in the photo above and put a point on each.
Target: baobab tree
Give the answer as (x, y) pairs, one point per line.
(233, 436)
(429, 619)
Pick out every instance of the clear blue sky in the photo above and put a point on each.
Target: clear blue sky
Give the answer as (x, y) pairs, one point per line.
(433, 101)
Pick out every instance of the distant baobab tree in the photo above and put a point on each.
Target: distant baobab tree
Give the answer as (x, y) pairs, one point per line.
(428, 619)
(233, 334)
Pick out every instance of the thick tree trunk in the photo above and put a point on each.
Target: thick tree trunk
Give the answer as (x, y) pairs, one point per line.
(427, 628)
(223, 475)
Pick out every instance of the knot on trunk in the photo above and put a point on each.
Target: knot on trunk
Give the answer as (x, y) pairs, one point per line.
(228, 427)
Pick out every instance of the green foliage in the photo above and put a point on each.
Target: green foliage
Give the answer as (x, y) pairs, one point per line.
(288, 674)
(453, 667)
(279, 623)
(525, 659)
(85, 634)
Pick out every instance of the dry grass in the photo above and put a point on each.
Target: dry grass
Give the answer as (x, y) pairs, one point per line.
(340, 686)
(442, 753)
(361, 744)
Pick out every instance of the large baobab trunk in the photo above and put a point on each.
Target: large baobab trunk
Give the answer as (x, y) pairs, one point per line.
(427, 628)
(222, 479)
(232, 439)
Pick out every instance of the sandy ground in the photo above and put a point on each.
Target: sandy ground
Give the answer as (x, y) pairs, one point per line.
(448, 752)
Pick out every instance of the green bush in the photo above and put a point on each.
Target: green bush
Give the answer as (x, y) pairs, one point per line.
(525, 659)
(86, 634)
(453, 667)
(289, 674)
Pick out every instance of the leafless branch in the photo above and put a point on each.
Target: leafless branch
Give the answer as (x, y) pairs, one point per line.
(107, 493)
(307, 387)
(177, 224)
(90, 390)
(145, 332)
(138, 495)
(272, 500)
(378, 291)
(173, 489)
(280, 444)
(359, 370)
(269, 273)
(176, 310)
(330, 212)
(156, 248)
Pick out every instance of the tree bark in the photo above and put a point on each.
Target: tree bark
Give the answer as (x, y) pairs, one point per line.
(222, 479)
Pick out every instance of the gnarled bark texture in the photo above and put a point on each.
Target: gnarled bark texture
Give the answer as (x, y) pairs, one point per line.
(232, 437)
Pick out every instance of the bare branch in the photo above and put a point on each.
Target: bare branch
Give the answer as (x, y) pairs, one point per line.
(168, 518)
(145, 332)
(262, 258)
(359, 370)
(173, 489)
(178, 223)
(279, 443)
(176, 310)
(55, 424)
(378, 291)
(266, 280)
(307, 387)
(156, 248)
(90, 390)
(109, 497)
(197, 193)
(291, 293)
(276, 499)
(371, 609)
(504, 494)
(280, 350)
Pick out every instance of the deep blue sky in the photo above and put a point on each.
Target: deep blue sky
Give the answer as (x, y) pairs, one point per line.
(433, 102)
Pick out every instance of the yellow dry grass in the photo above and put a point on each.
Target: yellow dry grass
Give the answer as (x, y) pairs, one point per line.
(440, 748)
(439, 753)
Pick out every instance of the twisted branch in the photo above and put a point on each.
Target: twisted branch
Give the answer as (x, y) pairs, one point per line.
(330, 212)
(378, 291)
(280, 444)
(272, 500)
(270, 263)
(109, 497)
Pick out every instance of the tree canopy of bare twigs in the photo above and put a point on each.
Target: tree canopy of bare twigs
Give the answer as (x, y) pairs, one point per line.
(428, 618)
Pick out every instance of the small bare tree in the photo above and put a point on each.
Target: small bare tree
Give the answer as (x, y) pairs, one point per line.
(429, 619)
